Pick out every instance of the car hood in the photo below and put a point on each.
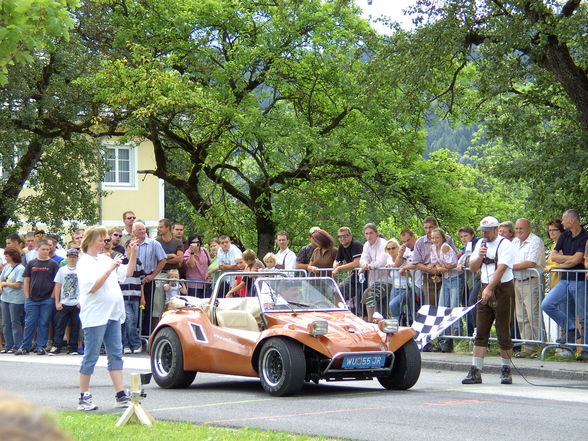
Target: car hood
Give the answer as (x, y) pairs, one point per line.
(347, 332)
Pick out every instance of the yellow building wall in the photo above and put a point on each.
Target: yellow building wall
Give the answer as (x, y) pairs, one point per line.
(145, 198)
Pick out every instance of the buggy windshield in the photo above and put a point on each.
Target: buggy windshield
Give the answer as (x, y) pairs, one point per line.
(287, 294)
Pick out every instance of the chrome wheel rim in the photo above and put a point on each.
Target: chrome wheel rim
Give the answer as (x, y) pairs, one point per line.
(272, 367)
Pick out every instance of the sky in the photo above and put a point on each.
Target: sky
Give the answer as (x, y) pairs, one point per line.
(390, 8)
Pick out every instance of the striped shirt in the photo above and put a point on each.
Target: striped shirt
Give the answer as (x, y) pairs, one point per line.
(131, 286)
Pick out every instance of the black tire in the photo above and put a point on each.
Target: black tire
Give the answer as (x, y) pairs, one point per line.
(167, 361)
(282, 367)
(406, 369)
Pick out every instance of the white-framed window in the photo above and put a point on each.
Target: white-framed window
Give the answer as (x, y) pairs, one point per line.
(121, 165)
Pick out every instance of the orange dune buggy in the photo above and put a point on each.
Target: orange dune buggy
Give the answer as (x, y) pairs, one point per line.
(291, 330)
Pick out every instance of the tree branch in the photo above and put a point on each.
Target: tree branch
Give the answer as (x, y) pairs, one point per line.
(570, 7)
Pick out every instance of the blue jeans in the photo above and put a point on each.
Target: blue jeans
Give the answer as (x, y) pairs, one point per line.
(37, 316)
(450, 298)
(566, 299)
(130, 331)
(12, 314)
(110, 335)
(398, 301)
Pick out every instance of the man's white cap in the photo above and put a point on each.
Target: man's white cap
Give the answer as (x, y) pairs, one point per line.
(488, 223)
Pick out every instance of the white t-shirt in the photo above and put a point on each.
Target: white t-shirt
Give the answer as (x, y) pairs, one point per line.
(70, 290)
(416, 274)
(531, 249)
(506, 256)
(286, 258)
(397, 280)
(106, 303)
(173, 291)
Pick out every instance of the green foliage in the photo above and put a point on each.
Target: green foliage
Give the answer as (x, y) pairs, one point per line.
(519, 69)
(46, 140)
(275, 116)
(28, 26)
(441, 134)
(65, 183)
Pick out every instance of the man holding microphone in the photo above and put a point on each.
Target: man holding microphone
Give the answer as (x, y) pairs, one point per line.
(494, 257)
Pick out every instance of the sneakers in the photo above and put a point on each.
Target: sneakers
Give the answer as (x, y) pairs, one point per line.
(74, 352)
(505, 376)
(54, 350)
(123, 400)
(86, 403)
(41, 351)
(21, 351)
(139, 350)
(474, 376)
(128, 351)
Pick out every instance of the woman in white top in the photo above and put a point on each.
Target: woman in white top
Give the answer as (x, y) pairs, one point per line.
(444, 262)
(102, 312)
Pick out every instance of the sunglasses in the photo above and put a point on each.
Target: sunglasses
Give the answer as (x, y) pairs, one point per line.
(342, 236)
(131, 217)
(106, 240)
(195, 243)
(390, 248)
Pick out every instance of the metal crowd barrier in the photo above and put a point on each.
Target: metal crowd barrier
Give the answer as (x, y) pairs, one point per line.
(156, 299)
(393, 292)
(196, 288)
(569, 296)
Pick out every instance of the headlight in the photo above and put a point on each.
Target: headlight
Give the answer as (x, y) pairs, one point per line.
(389, 326)
(319, 327)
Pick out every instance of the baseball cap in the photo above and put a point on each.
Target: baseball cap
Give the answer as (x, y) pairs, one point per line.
(73, 252)
(488, 223)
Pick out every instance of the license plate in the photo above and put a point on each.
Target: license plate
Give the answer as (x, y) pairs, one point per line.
(363, 361)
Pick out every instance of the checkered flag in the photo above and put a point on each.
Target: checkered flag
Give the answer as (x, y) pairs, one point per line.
(431, 321)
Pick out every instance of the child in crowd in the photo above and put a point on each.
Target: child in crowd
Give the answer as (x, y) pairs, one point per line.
(242, 285)
(173, 288)
(270, 262)
(238, 288)
(67, 303)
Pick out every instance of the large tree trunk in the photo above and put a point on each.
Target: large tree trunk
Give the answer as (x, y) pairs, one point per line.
(558, 61)
(266, 226)
(18, 177)
(266, 232)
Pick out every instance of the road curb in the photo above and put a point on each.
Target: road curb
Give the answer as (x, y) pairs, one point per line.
(541, 370)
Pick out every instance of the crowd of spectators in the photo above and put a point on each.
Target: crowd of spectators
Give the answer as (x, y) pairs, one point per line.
(379, 277)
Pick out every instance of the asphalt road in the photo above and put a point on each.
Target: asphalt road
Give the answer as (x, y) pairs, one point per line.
(438, 408)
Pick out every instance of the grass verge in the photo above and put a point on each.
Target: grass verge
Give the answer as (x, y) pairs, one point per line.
(96, 427)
